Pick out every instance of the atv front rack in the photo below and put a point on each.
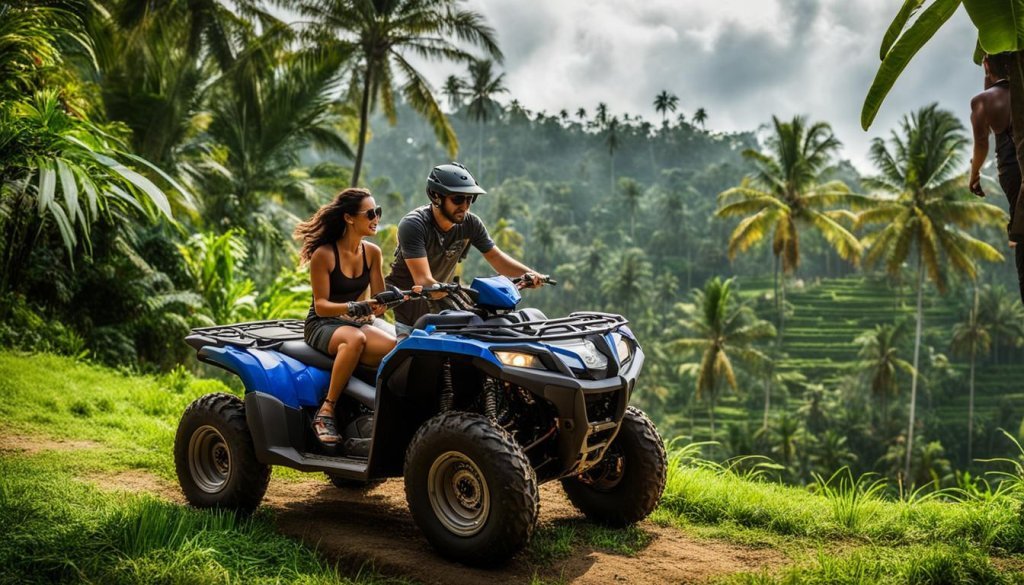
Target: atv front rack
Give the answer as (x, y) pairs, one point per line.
(255, 334)
(576, 325)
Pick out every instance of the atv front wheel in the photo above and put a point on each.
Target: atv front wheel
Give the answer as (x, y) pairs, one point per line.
(214, 456)
(625, 486)
(470, 489)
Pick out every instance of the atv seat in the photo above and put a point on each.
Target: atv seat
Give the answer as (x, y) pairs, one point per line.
(362, 385)
(448, 318)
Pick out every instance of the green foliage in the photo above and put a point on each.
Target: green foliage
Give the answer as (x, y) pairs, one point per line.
(215, 264)
(24, 329)
(1000, 28)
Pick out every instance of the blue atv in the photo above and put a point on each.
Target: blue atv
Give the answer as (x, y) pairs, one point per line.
(479, 405)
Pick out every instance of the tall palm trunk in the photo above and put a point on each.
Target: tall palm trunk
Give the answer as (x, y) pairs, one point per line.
(970, 401)
(480, 149)
(775, 283)
(917, 353)
(364, 122)
(611, 175)
(711, 415)
(767, 399)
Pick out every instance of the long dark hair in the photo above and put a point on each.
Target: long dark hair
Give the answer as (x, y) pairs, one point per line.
(328, 223)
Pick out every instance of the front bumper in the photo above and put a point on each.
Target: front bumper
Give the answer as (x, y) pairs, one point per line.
(588, 412)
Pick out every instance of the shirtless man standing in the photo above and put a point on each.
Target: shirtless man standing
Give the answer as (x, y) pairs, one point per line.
(990, 112)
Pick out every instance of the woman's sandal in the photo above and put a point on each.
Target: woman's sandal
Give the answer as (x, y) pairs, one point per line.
(326, 431)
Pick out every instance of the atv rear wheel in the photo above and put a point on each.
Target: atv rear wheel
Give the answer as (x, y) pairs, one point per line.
(470, 489)
(214, 456)
(625, 486)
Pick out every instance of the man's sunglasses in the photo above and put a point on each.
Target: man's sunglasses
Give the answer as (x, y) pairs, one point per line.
(460, 199)
(372, 214)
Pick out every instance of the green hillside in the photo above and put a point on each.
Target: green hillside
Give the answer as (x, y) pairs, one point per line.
(825, 318)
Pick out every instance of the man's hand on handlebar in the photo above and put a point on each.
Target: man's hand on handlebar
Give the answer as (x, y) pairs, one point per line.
(532, 280)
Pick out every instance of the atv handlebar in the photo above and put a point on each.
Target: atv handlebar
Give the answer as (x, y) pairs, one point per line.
(463, 296)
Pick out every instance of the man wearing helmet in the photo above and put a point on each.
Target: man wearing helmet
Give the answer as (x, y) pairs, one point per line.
(433, 239)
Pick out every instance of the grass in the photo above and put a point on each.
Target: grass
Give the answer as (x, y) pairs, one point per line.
(938, 564)
(131, 418)
(560, 540)
(58, 529)
(704, 493)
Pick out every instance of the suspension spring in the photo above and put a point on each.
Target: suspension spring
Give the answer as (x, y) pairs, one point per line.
(491, 398)
(447, 389)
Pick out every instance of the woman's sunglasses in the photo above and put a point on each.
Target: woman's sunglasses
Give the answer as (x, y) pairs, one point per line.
(372, 214)
(460, 199)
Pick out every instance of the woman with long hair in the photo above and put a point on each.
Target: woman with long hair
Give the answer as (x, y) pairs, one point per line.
(341, 266)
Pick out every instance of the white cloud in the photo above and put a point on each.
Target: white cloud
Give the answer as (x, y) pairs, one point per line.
(742, 60)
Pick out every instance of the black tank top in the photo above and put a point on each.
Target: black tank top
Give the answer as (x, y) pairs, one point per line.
(344, 289)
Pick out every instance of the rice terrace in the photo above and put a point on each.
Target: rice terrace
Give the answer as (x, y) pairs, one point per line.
(454, 291)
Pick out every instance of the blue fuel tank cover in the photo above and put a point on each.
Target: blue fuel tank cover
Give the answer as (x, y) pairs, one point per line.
(496, 292)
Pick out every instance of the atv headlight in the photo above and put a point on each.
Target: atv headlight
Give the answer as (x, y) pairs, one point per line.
(624, 349)
(519, 359)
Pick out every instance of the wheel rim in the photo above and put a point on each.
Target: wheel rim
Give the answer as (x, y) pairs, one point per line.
(209, 459)
(458, 494)
(608, 473)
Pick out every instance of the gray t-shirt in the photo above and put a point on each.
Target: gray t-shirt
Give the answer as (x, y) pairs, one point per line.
(419, 237)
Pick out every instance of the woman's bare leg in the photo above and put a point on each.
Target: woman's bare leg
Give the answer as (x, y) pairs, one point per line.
(378, 344)
(346, 345)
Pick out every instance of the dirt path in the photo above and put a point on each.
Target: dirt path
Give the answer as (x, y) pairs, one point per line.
(374, 527)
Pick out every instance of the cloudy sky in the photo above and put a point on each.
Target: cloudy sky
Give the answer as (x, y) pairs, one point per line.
(742, 60)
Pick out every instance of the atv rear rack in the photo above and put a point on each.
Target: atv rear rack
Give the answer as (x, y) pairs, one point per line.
(255, 334)
(576, 325)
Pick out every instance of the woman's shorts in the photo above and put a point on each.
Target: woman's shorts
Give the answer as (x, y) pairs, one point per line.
(319, 330)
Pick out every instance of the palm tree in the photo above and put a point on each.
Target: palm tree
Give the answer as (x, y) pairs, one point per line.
(483, 85)
(784, 193)
(581, 113)
(270, 107)
(153, 65)
(601, 117)
(1003, 316)
(379, 36)
(627, 278)
(969, 338)
(831, 452)
(631, 191)
(700, 117)
(664, 103)
(455, 90)
(723, 331)
(880, 364)
(926, 215)
(666, 285)
(611, 140)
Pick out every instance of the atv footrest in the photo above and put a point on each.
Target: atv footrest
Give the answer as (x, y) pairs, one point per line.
(354, 468)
